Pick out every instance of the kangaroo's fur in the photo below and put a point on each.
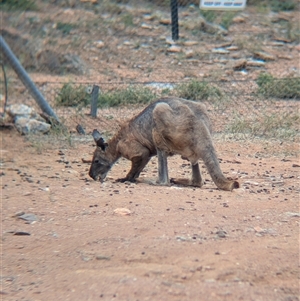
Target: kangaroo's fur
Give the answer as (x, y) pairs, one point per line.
(166, 127)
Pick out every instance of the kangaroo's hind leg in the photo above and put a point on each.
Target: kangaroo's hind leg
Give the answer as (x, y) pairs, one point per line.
(196, 176)
(163, 175)
(195, 181)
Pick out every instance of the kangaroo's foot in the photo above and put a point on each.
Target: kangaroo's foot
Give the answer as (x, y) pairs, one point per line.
(228, 184)
(122, 180)
(186, 182)
(162, 183)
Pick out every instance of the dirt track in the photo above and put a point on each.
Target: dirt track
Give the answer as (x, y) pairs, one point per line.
(176, 244)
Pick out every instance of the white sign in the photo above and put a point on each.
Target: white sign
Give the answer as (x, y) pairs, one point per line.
(223, 4)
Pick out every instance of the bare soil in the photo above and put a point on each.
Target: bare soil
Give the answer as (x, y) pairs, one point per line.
(174, 243)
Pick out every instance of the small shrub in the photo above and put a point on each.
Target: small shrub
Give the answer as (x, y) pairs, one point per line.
(18, 5)
(227, 19)
(209, 15)
(127, 19)
(71, 96)
(275, 5)
(195, 90)
(130, 95)
(279, 5)
(287, 88)
(65, 28)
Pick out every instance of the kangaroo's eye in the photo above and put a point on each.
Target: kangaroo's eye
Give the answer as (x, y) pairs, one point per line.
(96, 161)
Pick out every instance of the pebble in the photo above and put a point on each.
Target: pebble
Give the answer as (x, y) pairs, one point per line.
(99, 44)
(255, 63)
(264, 56)
(122, 211)
(146, 26)
(221, 233)
(101, 257)
(174, 49)
(190, 43)
(165, 21)
(220, 50)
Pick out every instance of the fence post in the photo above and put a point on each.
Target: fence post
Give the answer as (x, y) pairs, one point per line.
(94, 100)
(174, 18)
(23, 75)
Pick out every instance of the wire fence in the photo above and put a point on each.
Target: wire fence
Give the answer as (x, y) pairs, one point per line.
(121, 44)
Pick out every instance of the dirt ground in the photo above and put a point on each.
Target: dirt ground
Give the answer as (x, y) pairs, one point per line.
(172, 243)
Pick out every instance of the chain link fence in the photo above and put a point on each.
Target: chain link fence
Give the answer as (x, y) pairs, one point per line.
(244, 65)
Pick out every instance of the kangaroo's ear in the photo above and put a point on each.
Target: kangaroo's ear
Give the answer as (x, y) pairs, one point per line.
(99, 140)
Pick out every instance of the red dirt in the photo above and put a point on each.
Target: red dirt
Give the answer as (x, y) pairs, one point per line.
(177, 243)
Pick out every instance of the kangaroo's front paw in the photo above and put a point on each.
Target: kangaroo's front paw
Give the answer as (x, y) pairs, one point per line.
(122, 180)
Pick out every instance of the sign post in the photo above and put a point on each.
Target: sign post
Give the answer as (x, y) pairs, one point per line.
(222, 4)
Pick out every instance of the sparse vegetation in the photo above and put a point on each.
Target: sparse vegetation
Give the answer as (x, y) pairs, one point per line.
(198, 90)
(227, 19)
(209, 15)
(127, 19)
(280, 126)
(65, 28)
(286, 88)
(71, 95)
(18, 5)
(275, 5)
(129, 95)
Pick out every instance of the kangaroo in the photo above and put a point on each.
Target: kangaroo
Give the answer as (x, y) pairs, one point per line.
(166, 127)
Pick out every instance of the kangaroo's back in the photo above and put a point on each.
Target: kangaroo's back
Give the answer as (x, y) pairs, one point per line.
(141, 126)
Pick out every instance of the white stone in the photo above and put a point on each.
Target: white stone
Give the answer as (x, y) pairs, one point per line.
(19, 110)
(27, 125)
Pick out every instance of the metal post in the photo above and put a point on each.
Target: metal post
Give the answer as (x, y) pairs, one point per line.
(94, 100)
(174, 17)
(21, 72)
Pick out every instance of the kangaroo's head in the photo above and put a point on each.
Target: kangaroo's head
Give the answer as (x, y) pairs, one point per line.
(101, 163)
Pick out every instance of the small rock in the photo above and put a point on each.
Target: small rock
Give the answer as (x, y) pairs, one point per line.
(122, 211)
(238, 19)
(19, 213)
(282, 39)
(99, 44)
(29, 217)
(190, 43)
(101, 257)
(27, 125)
(174, 49)
(232, 48)
(293, 214)
(189, 53)
(238, 64)
(264, 56)
(220, 50)
(148, 17)
(127, 43)
(259, 230)
(255, 63)
(213, 28)
(146, 26)
(221, 233)
(19, 110)
(21, 233)
(165, 21)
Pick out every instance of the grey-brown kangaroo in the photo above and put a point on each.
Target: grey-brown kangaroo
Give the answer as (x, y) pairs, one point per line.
(166, 127)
